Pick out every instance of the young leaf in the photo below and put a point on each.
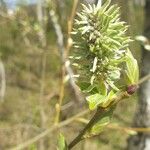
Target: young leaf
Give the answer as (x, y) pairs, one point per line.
(101, 123)
(102, 88)
(132, 71)
(83, 85)
(95, 100)
(111, 84)
(62, 143)
(114, 75)
(86, 87)
(110, 98)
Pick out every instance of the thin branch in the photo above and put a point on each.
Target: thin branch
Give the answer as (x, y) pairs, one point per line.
(98, 115)
(65, 63)
(69, 45)
(59, 34)
(42, 87)
(64, 123)
(144, 79)
(3, 81)
(40, 16)
(61, 47)
(117, 127)
(42, 39)
(61, 96)
(124, 129)
(128, 129)
(70, 22)
(70, 26)
(46, 132)
(60, 43)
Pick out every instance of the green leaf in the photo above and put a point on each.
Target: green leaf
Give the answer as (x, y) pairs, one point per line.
(101, 122)
(112, 85)
(95, 100)
(83, 85)
(102, 88)
(132, 71)
(86, 87)
(114, 75)
(62, 143)
(110, 98)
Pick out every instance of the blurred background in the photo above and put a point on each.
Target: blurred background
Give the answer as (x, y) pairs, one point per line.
(37, 90)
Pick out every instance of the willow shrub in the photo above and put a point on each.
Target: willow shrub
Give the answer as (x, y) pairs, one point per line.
(102, 59)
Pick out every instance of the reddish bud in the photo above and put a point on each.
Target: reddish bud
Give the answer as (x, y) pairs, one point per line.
(131, 89)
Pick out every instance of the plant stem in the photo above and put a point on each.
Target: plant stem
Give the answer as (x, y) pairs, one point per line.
(145, 78)
(48, 131)
(97, 116)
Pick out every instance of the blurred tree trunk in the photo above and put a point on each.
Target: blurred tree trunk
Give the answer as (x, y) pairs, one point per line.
(141, 141)
(3, 7)
(42, 40)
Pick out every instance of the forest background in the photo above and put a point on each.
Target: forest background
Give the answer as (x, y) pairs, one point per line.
(34, 42)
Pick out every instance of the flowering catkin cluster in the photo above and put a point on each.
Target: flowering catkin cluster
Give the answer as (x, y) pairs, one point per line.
(100, 44)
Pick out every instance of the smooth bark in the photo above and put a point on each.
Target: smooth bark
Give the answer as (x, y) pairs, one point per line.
(141, 141)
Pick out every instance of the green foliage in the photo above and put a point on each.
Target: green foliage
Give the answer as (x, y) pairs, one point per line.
(101, 53)
(100, 100)
(95, 100)
(102, 121)
(62, 143)
(22, 52)
(33, 147)
(132, 71)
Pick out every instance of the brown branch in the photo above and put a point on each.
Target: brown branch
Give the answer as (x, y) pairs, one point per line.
(98, 115)
(42, 40)
(117, 127)
(3, 81)
(70, 26)
(64, 51)
(128, 129)
(46, 132)
(144, 79)
(60, 125)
